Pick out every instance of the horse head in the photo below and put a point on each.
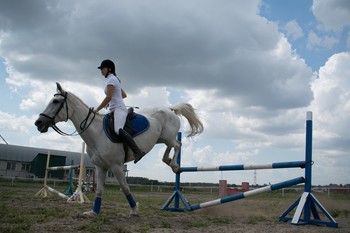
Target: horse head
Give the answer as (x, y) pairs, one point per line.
(56, 111)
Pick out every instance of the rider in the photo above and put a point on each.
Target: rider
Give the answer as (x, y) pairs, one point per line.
(114, 100)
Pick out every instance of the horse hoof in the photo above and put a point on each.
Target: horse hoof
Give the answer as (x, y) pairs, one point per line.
(90, 213)
(135, 210)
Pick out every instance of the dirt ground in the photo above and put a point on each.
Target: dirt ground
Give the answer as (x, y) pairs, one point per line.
(225, 218)
(20, 211)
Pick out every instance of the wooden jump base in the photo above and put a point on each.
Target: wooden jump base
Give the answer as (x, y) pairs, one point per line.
(306, 206)
(78, 196)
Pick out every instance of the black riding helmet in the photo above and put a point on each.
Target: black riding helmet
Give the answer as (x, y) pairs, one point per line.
(108, 64)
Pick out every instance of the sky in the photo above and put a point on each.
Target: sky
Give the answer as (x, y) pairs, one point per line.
(252, 69)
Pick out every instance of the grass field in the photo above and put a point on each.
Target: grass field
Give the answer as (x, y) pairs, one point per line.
(20, 211)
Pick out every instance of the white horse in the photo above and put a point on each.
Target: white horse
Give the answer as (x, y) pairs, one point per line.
(105, 155)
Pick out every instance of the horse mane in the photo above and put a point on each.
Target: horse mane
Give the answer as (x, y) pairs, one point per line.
(76, 97)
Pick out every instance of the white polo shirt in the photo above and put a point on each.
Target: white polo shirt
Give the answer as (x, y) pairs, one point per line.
(117, 99)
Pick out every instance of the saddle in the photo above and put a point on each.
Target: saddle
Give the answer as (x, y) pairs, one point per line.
(135, 125)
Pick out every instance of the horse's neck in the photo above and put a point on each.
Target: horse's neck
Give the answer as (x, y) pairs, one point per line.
(79, 114)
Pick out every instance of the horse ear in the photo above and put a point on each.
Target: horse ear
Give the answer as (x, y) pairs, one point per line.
(59, 88)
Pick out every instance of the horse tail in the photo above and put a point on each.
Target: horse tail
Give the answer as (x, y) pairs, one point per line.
(189, 113)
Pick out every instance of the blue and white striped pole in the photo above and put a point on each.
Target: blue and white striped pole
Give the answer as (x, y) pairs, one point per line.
(249, 193)
(277, 165)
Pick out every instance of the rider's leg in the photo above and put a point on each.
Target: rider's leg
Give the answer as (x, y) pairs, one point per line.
(119, 122)
(138, 154)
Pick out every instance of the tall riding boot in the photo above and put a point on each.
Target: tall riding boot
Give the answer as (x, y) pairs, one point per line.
(138, 154)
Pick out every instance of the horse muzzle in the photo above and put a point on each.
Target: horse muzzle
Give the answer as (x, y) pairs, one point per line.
(43, 124)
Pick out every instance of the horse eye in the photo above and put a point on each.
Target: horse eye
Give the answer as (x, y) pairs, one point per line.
(55, 101)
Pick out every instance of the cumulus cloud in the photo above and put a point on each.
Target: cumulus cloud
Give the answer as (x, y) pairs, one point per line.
(331, 115)
(169, 44)
(14, 127)
(333, 15)
(332, 94)
(314, 41)
(294, 30)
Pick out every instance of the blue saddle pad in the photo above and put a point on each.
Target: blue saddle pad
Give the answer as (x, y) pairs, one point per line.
(139, 124)
(135, 125)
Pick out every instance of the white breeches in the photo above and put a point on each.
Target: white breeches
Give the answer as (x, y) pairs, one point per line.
(119, 119)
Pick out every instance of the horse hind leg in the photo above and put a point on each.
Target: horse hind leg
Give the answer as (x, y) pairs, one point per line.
(118, 172)
(173, 164)
(166, 159)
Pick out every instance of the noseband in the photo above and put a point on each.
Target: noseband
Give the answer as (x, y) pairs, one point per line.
(83, 125)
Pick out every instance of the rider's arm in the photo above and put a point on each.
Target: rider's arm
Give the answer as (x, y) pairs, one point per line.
(105, 101)
(124, 95)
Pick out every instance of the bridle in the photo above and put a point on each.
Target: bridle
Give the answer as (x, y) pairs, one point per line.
(84, 125)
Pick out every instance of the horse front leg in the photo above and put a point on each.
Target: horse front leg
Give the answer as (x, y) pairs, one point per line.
(118, 172)
(101, 177)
